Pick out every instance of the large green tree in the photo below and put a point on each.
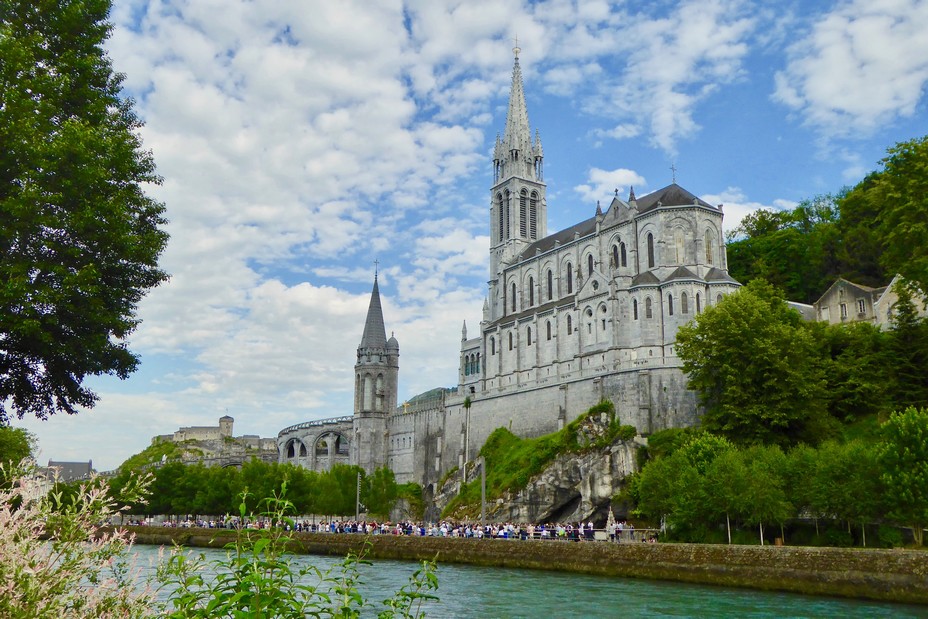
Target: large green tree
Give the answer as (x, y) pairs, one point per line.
(79, 239)
(903, 459)
(757, 369)
(901, 193)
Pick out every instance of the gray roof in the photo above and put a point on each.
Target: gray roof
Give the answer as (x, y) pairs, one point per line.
(718, 275)
(681, 273)
(69, 471)
(375, 335)
(671, 195)
(645, 278)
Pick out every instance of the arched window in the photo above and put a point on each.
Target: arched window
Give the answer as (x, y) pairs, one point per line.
(513, 296)
(533, 216)
(531, 291)
(650, 250)
(678, 245)
(499, 207)
(570, 325)
(718, 299)
(550, 285)
(570, 279)
(670, 305)
(710, 250)
(615, 256)
(549, 330)
(477, 363)
(510, 340)
(492, 346)
(290, 451)
(684, 303)
(508, 204)
(698, 308)
(622, 250)
(466, 365)
(523, 214)
(528, 333)
(302, 450)
(647, 308)
(589, 265)
(635, 309)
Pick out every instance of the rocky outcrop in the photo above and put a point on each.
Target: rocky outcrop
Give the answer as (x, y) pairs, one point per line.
(575, 487)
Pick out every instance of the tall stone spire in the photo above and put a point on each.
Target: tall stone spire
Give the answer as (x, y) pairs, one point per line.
(517, 137)
(375, 335)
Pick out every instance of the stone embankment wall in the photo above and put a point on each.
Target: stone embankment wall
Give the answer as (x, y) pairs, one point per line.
(889, 575)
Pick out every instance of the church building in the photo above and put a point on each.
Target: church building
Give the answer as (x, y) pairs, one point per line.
(570, 318)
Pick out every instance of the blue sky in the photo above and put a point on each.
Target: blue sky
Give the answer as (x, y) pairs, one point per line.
(300, 141)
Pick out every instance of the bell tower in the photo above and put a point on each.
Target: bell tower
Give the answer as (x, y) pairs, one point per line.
(375, 390)
(518, 207)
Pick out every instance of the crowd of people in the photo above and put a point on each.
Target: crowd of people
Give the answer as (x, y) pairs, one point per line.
(620, 531)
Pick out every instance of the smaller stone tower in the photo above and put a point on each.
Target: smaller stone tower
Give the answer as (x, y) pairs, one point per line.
(225, 426)
(375, 390)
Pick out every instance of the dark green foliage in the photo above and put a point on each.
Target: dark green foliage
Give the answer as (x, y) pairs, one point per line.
(79, 240)
(900, 192)
(15, 445)
(903, 459)
(179, 489)
(858, 362)
(908, 351)
(757, 368)
(833, 494)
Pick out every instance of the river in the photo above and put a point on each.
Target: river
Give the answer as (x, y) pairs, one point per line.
(469, 592)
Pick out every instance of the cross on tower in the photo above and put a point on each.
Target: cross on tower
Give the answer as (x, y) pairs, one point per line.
(673, 172)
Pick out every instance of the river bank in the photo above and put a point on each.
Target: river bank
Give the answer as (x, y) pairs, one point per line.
(877, 574)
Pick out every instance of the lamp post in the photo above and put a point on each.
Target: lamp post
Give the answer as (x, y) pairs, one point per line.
(357, 500)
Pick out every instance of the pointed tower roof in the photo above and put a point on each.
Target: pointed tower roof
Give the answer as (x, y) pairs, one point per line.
(375, 335)
(517, 135)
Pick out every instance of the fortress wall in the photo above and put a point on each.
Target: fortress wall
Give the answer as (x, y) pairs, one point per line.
(650, 400)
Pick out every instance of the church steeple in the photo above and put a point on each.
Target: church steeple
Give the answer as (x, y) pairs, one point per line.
(375, 335)
(515, 154)
(518, 208)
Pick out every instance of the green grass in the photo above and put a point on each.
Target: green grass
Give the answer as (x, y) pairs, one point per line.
(152, 454)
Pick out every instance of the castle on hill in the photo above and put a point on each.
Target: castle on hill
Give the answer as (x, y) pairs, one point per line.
(571, 318)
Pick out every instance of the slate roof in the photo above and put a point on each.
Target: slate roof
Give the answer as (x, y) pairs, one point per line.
(671, 195)
(681, 273)
(69, 471)
(375, 334)
(718, 275)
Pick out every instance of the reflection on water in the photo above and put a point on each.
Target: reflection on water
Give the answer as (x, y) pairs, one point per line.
(481, 593)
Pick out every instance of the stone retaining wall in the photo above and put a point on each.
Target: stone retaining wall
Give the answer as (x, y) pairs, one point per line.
(888, 575)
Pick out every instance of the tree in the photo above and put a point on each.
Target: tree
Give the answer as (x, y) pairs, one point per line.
(901, 193)
(765, 498)
(726, 485)
(16, 444)
(79, 239)
(757, 369)
(908, 347)
(904, 460)
(379, 492)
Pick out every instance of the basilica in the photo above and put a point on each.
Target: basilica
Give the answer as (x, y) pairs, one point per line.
(570, 318)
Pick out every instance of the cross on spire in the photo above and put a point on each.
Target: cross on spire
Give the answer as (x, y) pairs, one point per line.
(516, 49)
(376, 267)
(673, 172)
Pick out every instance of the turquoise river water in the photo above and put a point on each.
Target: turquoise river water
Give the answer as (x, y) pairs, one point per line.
(497, 593)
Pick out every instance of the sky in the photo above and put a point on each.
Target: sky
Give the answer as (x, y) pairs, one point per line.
(301, 141)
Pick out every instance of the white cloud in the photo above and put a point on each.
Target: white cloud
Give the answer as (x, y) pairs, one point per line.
(736, 205)
(860, 66)
(602, 184)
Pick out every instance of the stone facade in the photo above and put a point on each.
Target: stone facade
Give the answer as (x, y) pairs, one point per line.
(846, 301)
(571, 318)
